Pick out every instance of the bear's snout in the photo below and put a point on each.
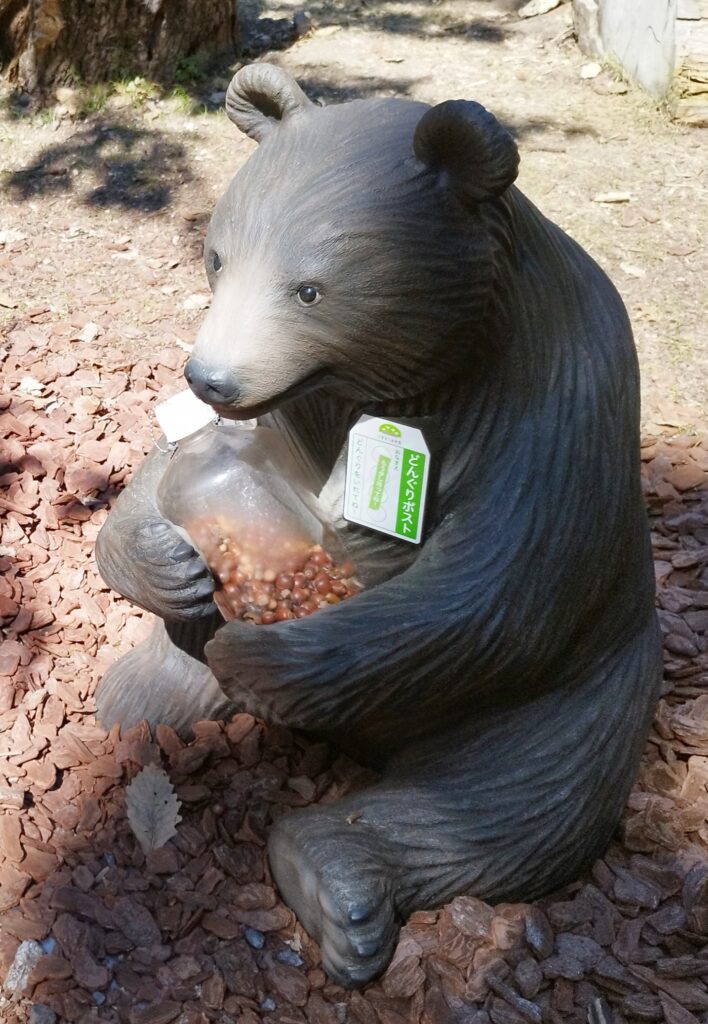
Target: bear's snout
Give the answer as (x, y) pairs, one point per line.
(212, 386)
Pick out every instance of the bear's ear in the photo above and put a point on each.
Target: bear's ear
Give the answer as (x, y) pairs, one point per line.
(465, 142)
(260, 96)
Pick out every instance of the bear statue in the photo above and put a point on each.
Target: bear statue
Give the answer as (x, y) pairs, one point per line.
(375, 256)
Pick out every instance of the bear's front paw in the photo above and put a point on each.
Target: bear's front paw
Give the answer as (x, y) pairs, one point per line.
(169, 577)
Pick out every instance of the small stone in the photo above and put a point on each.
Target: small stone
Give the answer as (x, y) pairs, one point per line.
(302, 23)
(28, 954)
(268, 1004)
(255, 939)
(591, 70)
(41, 1014)
(289, 956)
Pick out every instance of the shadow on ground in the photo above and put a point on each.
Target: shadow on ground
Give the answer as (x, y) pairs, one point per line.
(109, 164)
(540, 126)
(328, 88)
(112, 164)
(396, 17)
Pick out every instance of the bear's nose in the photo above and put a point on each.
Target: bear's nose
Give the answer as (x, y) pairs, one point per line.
(214, 387)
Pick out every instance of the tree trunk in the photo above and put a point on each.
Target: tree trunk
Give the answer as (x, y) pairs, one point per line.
(45, 43)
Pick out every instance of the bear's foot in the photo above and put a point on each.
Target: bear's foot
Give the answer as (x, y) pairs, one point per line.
(161, 683)
(336, 878)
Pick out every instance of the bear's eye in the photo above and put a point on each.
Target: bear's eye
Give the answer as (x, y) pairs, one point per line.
(308, 295)
(216, 262)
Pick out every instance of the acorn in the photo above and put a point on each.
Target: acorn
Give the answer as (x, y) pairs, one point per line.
(292, 582)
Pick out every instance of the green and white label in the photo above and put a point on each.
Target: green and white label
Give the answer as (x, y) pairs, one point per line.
(387, 478)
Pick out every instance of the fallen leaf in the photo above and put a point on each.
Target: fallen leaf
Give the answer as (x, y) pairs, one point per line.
(153, 808)
(633, 271)
(678, 247)
(89, 332)
(30, 386)
(612, 197)
(650, 215)
(604, 87)
(11, 235)
(197, 300)
(534, 7)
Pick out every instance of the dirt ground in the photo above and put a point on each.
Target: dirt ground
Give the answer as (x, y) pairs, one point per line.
(151, 172)
(102, 288)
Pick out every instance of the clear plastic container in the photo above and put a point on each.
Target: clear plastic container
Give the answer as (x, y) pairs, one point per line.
(238, 494)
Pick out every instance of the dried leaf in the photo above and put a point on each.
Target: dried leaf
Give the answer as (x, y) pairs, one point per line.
(152, 808)
(632, 271)
(536, 7)
(196, 301)
(612, 197)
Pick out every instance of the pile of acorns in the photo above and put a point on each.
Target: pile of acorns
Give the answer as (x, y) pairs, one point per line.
(266, 578)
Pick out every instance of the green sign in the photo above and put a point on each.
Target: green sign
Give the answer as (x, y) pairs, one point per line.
(379, 483)
(410, 492)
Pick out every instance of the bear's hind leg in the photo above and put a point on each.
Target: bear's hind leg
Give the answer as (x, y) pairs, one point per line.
(340, 878)
(507, 807)
(164, 680)
(352, 871)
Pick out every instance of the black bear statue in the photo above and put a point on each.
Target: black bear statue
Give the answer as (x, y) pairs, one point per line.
(376, 257)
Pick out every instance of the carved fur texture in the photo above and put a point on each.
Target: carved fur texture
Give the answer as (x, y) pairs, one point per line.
(503, 676)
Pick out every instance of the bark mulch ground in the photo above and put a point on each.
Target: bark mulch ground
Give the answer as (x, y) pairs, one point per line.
(93, 929)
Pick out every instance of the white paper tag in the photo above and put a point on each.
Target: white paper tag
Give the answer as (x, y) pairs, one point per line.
(182, 415)
(387, 478)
